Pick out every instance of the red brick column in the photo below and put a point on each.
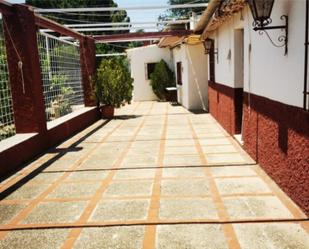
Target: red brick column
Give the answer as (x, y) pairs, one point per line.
(26, 82)
(88, 65)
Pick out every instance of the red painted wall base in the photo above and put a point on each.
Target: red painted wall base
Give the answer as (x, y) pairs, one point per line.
(15, 156)
(277, 137)
(225, 104)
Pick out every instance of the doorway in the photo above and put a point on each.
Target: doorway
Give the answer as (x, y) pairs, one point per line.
(239, 78)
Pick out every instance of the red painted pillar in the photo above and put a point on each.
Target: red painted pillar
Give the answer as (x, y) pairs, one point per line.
(88, 65)
(24, 70)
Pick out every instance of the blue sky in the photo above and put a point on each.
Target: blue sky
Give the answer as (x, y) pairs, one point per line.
(136, 16)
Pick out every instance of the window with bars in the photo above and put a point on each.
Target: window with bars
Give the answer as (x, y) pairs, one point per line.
(7, 126)
(61, 74)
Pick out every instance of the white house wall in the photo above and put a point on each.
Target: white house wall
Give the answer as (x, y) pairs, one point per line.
(139, 57)
(197, 77)
(182, 92)
(192, 94)
(267, 72)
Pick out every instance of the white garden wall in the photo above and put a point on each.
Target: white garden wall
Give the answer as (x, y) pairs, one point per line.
(139, 57)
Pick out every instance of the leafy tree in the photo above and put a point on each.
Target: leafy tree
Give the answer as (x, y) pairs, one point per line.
(161, 78)
(181, 13)
(87, 17)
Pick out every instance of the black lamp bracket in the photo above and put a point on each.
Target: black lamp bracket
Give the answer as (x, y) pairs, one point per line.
(282, 39)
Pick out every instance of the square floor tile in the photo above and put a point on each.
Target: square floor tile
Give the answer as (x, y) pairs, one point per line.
(96, 175)
(61, 164)
(242, 186)
(140, 160)
(95, 163)
(130, 188)
(181, 160)
(232, 171)
(9, 211)
(214, 141)
(121, 210)
(256, 207)
(46, 177)
(224, 158)
(56, 212)
(27, 192)
(179, 142)
(123, 237)
(275, 236)
(135, 174)
(219, 149)
(183, 172)
(195, 236)
(187, 209)
(185, 187)
(183, 150)
(74, 190)
(34, 239)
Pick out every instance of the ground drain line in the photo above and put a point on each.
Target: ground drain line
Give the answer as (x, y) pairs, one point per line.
(71, 226)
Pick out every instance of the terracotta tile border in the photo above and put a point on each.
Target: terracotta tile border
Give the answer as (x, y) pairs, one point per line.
(150, 231)
(38, 162)
(305, 226)
(34, 202)
(228, 229)
(74, 234)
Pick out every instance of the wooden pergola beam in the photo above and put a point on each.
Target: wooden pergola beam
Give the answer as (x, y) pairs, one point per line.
(56, 27)
(5, 7)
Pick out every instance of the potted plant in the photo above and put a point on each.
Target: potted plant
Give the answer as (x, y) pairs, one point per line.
(113, 85)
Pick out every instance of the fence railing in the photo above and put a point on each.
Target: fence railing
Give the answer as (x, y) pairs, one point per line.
(7, 126)
(42, 77)
(61, 75)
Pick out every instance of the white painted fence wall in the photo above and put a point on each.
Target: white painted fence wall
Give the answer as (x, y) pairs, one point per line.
(139, 57)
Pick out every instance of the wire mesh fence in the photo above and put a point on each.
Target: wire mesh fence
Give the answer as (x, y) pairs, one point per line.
(61, 74)
(7, 126)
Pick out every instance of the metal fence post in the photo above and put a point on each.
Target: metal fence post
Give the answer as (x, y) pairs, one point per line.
(24, 70)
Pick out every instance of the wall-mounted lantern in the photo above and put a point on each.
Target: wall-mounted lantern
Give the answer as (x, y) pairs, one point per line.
(261, 12)
(209, 47)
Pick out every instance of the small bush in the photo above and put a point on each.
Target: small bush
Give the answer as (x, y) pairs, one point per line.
(161, 78)
(6, 131)
(114, 84)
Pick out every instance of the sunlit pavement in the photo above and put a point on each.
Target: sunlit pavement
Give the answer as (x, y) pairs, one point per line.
(157, 176)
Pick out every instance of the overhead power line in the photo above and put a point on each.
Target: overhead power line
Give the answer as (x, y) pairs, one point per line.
(100, 9)
(110, 55)
(106, 29)
(126, 23)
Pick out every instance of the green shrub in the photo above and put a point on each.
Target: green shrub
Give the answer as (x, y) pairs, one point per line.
(113, 84)
(6, 131)
(161, 78)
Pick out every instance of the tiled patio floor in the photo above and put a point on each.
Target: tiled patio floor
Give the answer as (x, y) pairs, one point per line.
(156, 177)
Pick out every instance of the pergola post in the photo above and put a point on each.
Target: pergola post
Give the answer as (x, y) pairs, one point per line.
(88, 66)
(24, 70)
